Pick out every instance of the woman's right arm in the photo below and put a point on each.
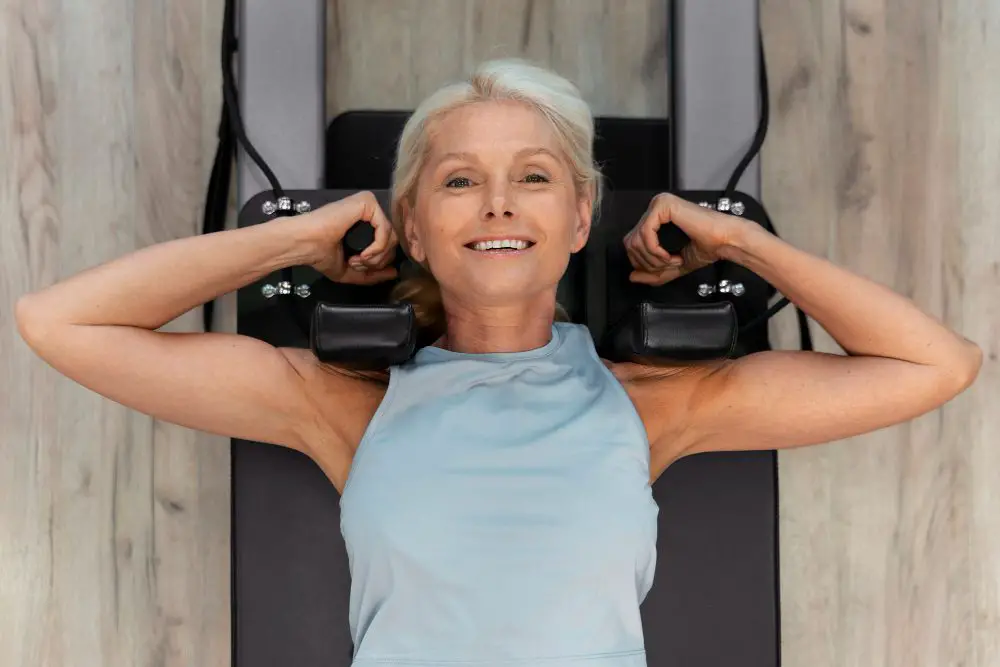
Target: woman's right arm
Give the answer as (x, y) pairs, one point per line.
(98, 327)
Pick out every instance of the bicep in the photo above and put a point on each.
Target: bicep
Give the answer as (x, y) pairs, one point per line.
(782, 399)
(220, 383)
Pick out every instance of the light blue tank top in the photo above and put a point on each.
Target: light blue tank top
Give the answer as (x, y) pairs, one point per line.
(498, 512)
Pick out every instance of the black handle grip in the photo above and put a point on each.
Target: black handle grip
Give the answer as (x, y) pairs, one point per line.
(358, 237)
(672, 238)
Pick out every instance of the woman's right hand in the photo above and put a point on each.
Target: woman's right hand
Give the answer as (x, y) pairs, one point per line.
(333, 220)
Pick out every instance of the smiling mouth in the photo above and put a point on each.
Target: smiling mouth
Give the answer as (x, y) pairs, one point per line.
(502, 247)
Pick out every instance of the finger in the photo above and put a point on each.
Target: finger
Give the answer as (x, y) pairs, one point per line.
(661, 211)
(638, 262)
(657, 263)
(384, 259)
(651, 242)
(649, 261)
(379, 259)
(361, 206)
(382, 239)
(369, 211)
(655, 278)
(378, 276)
(364, 276)
(642, 278)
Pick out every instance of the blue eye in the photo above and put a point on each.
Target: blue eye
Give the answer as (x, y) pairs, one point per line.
(460, 178)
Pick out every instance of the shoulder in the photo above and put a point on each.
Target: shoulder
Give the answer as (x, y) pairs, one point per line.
(319, 372)
(344, 399)
(658, 373)
(664, 396)
(342, 404)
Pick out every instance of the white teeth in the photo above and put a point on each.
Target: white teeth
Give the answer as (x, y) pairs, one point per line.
(505, 243)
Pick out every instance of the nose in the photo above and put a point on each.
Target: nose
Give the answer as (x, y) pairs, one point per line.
(499, 203)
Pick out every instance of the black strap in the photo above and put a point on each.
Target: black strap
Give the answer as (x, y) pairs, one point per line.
(231, 131)
(805, 337)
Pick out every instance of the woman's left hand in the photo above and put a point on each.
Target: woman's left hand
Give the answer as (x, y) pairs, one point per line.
(712, 233)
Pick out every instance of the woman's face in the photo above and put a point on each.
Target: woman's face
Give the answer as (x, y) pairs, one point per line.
(495, 171)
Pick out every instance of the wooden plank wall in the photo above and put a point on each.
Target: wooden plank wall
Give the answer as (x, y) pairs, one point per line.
(884, 144)
(883, 156)
(114, 528)
(615, 52)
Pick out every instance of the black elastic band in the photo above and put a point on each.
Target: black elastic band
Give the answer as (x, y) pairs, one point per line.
(805, 337)
(230, 125)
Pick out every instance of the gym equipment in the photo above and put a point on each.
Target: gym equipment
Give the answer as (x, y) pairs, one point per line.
(715, 598)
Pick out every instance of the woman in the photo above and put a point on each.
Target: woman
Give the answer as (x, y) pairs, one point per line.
(476, 477)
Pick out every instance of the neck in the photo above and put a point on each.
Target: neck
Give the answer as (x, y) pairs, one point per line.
(482, 329)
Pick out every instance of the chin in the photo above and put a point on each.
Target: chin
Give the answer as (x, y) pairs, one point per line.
(503, 280)
(497, 288)
(500, 288)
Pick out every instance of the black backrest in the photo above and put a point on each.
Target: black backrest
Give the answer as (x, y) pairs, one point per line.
(633, 153)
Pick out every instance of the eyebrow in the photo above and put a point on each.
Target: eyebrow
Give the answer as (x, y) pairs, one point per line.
(524, 152)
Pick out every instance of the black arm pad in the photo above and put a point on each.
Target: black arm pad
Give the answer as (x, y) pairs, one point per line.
(374, 337)
(679, 333)
(363, 337)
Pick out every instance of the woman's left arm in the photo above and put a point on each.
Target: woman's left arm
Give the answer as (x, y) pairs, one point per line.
(901, 362)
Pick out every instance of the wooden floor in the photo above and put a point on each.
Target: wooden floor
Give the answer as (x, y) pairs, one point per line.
(883, 155)
(114, 528)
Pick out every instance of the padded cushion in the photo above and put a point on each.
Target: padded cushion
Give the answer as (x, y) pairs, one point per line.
(365, 337)
(652, 332)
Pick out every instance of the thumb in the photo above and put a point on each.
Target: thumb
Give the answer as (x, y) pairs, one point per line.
(372, 277)
(655, 279)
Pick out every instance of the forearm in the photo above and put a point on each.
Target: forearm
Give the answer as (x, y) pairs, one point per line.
(864, 317)
(152, 286)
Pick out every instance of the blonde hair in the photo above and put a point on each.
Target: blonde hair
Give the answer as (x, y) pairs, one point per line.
(556, 98)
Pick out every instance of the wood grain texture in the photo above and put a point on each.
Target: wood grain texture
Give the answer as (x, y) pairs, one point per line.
(390, 54)
(114, 528)
(882, 153)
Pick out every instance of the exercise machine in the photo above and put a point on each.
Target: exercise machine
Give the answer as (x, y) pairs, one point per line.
(715, 599)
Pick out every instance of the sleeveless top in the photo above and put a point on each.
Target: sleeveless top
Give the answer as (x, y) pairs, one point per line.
(498, 511)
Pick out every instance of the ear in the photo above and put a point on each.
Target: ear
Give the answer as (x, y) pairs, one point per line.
(584, 220)
(416, 250)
